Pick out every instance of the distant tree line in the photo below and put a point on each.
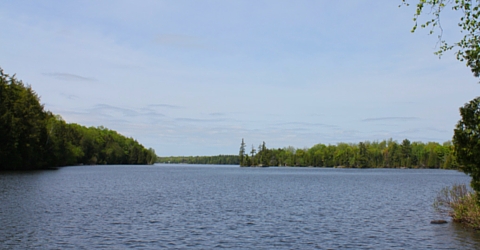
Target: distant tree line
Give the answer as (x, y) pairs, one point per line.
(377, 154)
(219, 159)
(32, 138)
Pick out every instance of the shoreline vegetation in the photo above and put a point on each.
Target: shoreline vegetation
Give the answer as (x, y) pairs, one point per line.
(215, 160)
(460, 203)
(377, 154)
(32, 138)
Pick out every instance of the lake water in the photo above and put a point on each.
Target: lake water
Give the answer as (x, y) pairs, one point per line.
(204, 207)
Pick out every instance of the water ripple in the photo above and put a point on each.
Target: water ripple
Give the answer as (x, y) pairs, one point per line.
(203, 207)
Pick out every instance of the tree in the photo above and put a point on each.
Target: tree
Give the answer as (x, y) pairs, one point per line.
(362, 160)
(23, 132)
(242, 153)
(32, 138)
(468, 48)
(466, 141)
(259, 155)
(263, 152)
(406, 151)
(151, 156)
(252, 159)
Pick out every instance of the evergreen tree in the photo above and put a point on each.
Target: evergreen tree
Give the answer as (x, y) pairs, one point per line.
(242, 153)
(406, 151)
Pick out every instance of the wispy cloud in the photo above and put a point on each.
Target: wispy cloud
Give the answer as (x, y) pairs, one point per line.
(105, 108)
(70, 96)
(198, 120)
(422, 130)
(164, 106)
(179, 40)
(153, 113)
(110, 110)
(399, 119)
(69, 77)
(308, 124)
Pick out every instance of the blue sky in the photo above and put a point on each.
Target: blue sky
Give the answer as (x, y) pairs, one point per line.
(195, 77)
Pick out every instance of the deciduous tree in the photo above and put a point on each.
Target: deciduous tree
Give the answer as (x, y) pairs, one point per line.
(467, 141)
(467, 49)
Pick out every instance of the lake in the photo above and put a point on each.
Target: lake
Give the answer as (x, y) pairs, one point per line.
(204, 207)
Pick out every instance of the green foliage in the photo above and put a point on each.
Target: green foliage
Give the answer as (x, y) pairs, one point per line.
(468, 48)
(82, 145)
(32, 138)
(467, 141)
(459, 203)
(242, 153)
(23, 132)
(384, 154)
(218, 160)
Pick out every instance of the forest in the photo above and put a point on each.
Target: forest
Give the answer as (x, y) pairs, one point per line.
(218, 159)
(33, 138)
(377, 154)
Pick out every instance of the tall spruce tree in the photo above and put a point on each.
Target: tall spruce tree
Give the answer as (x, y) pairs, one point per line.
(242, 153)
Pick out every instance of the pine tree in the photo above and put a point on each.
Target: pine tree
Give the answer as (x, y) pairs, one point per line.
(242, 153)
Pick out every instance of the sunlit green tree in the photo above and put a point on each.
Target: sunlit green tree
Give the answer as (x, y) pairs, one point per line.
(467, 141)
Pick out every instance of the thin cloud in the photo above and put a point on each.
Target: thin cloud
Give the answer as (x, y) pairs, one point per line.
(295, 130)
(422, 130)
(69, 96)
(198, 120)
(216, 114)
(178, 40)
(399, 119)
(108, 109)
(306, 124)
(164, 106)
(69, 77)
(153, 113)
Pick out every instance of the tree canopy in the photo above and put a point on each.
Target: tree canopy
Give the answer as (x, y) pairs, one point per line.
(32, 138)
(217, 160)
(377, 154)
(467, 141)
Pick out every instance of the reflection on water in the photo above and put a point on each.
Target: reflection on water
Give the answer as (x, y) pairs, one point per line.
(465, 237)
(203, 207)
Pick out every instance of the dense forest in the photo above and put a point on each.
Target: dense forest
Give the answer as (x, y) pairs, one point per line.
(219, 159)
(377, 154)
(33, 138)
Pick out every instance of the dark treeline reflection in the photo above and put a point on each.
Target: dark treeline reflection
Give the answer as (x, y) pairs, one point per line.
(377, 154)
(32, 138)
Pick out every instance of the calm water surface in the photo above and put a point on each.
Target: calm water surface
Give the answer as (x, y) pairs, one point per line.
(204, 207)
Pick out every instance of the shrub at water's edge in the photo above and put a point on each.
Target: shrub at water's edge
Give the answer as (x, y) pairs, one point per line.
(460, 203)
(32, 138)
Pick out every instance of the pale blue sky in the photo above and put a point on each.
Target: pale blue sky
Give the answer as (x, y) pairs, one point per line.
(195, 77)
